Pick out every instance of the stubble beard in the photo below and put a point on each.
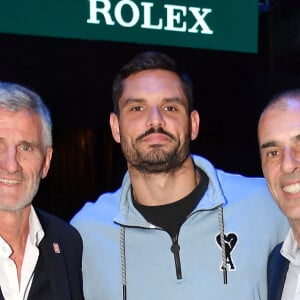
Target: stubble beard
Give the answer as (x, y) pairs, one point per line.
(156, 160)
(24, 200)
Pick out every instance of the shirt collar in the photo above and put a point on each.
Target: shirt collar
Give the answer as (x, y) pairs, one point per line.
(290, 249)
(36, 232)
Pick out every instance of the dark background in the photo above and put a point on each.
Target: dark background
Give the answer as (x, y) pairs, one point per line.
(74, 77)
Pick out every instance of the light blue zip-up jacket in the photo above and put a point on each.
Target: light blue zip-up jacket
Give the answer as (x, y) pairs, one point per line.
(253, 225)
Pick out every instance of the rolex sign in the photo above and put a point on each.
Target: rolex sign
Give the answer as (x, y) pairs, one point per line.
(209, 24)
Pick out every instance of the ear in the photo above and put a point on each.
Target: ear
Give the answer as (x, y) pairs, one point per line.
(47, 161)
(194, 124)
(114, 126)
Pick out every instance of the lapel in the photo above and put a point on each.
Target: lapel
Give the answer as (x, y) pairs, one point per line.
(281, 279)
(277, 269)
(50, 276)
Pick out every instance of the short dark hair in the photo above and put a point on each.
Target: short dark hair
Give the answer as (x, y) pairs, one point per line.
(147, 61)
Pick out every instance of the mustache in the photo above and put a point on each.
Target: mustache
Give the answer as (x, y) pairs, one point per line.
(155, 130)
(17, 175)
(290, 177)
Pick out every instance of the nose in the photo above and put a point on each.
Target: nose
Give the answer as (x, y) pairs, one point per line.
(9, 160)
(155, 118)
(290, 161)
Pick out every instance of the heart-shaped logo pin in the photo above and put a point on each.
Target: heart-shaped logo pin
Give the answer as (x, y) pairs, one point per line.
(230, 240)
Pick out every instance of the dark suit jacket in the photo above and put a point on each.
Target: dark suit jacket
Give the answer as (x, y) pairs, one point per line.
(57, 275)
(277, 269)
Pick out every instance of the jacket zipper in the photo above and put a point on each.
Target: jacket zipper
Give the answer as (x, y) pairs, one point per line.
(175, 248)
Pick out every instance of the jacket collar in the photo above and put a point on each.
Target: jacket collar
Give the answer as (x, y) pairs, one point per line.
(129, 216)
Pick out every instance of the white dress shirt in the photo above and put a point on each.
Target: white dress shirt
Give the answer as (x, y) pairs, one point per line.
(290, 251)
(10, 287)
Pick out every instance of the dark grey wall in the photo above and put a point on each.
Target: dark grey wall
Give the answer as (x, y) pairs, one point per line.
(74, 78)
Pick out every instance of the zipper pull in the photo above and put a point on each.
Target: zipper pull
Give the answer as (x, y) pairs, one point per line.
(175, 248)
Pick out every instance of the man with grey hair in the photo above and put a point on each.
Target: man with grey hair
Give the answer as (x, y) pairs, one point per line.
(40, 254)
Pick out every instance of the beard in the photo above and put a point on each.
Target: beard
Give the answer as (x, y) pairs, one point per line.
(156, 159)
(23, 200)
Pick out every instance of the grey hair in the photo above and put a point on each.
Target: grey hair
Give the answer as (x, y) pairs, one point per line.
(15, 97)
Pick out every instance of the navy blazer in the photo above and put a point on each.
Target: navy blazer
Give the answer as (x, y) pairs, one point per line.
(277, 269)
(57, 274)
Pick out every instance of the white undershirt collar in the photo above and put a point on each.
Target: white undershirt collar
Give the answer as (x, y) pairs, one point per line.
(8, 271)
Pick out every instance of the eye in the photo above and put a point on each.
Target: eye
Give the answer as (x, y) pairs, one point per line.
(170, 108)
(137, 108)
(25, 147)
(272, 153)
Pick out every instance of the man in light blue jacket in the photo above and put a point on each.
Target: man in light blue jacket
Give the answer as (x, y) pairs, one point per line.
(177, 228)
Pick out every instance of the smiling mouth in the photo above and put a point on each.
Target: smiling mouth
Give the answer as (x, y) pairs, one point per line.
(9, 181)
(292, 188)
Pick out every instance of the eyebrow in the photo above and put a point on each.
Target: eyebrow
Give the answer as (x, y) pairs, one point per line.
(29, 143)
(165, 100)
(268, 144)
(295, 138)
(130, 100)
(175, 99)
